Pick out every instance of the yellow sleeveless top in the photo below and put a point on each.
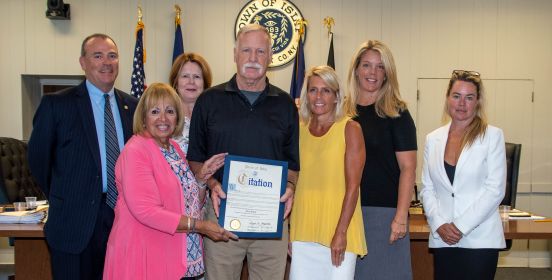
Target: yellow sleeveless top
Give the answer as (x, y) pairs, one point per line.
(321, 189)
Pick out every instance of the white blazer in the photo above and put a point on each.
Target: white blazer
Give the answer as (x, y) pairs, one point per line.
(472, 201)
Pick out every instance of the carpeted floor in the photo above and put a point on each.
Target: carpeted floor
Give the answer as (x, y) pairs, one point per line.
(5, 271)
(522, 273)
(501, 273)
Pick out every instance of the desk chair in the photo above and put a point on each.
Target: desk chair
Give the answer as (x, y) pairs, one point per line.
(513, 156)
(16, 181)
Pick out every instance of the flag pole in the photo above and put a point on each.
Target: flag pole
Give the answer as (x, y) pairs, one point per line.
(177, 11)
(329, 22)
(178, 47)
(140, 25)
(138, 77)
(299, 63)
(139, 14)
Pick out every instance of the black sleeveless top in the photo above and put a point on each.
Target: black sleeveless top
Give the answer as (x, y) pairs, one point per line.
(450, 169)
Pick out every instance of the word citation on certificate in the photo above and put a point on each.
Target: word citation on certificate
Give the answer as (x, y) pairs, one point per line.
(253, 187)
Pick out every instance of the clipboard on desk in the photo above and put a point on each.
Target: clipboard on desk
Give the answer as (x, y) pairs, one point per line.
(516, 214)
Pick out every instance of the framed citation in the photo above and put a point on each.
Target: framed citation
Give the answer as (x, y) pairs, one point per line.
(253, 187)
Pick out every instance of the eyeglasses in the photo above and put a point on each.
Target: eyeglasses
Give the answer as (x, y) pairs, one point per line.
(465, 73)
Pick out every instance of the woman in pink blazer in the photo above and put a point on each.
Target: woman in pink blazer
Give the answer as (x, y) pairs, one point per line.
(148, 239)
(464, 178)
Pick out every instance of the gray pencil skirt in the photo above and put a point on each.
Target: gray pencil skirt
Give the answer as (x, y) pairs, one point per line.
(383, 261)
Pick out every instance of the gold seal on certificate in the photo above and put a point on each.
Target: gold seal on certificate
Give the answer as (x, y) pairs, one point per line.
(235, 224)
(253, 186)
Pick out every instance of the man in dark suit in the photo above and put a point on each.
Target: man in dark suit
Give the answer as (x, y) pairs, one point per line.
(77, 135)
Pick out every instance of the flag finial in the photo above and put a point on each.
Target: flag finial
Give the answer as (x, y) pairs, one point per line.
(178, 47)
(301, 24)
(138, 78)
(177, 11)
(329, 22)
(139, 14)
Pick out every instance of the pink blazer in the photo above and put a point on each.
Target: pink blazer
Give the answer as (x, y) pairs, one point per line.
(143, 243)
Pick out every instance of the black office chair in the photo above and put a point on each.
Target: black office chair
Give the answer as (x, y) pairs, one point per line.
(513, 156)
(16, 181)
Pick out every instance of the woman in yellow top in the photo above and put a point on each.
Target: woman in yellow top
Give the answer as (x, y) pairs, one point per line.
(327, 232)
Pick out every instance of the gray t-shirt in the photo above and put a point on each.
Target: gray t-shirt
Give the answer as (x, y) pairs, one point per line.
(251, 95)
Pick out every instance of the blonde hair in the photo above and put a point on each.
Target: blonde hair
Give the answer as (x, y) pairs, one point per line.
(346, 105)
(152, 95)
(389, 102)
(478, 125)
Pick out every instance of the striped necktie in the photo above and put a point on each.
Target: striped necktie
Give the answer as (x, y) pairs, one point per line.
(111, 152)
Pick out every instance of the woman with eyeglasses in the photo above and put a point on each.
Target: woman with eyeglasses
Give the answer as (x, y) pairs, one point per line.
(390, 171)
(464, 179)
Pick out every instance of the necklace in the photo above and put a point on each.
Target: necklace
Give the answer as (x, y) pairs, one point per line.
(165, 146)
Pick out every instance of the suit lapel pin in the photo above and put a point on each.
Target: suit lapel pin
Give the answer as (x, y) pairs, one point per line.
(126, 107)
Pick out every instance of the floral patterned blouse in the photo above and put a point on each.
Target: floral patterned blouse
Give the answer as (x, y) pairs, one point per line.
(192, 208)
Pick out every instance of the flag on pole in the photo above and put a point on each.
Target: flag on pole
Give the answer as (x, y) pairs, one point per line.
(331, 61)
(137, 81)
(329, 22)
(298, 68)
(178, 48)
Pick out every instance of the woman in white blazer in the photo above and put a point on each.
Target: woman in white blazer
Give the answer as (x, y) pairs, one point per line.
(464, 179)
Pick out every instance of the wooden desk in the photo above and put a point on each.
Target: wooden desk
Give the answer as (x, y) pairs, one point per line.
(32, 259)
(422, 259)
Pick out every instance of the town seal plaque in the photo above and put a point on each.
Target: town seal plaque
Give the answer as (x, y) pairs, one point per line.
(279, 17)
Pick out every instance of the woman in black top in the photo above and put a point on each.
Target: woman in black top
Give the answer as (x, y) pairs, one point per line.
(390, 169)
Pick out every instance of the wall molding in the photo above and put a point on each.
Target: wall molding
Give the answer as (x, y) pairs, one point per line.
(7, 256)
(512, 261)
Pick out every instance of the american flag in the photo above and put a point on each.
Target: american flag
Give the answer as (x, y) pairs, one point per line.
(137, 81)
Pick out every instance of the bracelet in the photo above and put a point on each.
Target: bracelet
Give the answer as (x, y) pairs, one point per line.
(188, 228)
(193, 225)
(201, 185)
(394, 221)
(292, 183)
(201, 182)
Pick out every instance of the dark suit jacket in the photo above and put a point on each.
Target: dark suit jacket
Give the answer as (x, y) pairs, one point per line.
(64, 158)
